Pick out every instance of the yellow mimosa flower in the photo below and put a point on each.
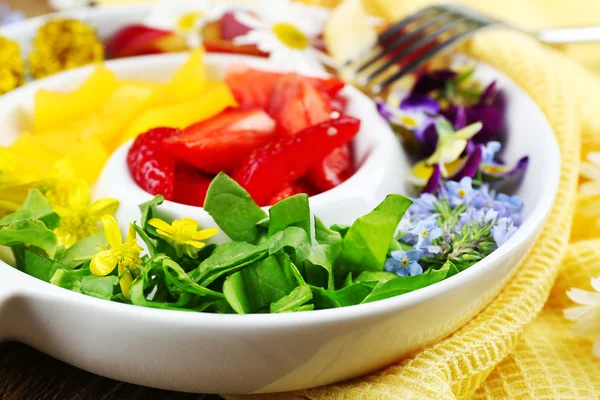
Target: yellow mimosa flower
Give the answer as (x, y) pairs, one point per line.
(79, 217)
(123, 255)
(183, 234)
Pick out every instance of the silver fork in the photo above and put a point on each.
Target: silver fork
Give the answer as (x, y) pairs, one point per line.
(432, 30)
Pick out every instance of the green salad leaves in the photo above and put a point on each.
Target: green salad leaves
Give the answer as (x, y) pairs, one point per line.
(283, 261)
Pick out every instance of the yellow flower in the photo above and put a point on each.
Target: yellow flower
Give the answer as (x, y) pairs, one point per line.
(79, 217)
(183, 234)
(12, 68)
(118, 254)
(64, 44)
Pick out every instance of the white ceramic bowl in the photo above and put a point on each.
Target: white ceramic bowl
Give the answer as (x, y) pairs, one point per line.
(208, 353)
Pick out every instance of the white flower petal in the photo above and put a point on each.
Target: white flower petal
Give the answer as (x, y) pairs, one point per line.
(574, 313)
(596, 348)
(588, 325)
(594, 158)
(596, 284)
(584, 297)
(249, 20)
(589, 171)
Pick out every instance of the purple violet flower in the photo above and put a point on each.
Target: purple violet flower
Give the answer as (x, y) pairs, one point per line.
(415, 113)
(405, 263)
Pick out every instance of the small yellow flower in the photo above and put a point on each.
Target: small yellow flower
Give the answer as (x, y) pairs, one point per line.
(12, 69)
(79, 217)
(64, 44)
(183, 234)
(118, 254)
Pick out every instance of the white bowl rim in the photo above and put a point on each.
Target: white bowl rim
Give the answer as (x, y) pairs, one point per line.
(528, 228)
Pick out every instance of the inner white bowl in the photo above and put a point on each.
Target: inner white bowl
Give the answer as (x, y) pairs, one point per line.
(208, 353)
(381, 164)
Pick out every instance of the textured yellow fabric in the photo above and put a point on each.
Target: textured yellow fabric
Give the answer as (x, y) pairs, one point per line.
(519, 347)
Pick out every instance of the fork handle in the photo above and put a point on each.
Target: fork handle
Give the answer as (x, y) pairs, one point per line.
(583, 34)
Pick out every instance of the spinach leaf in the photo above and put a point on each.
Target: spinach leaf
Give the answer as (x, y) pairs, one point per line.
(328, 236)
(83, 250)
(33, 233)
(35, 207)
(452, 269)
(254, 288)
(148, 241)
(138, 297)
(341, 229)
(176, 277)
(293, 211)
(40, 267)
(149, 211)
(297, 298)
(227, 259)
(295, 242)
(306, 307)
(348, 296)
(375, 276)
(233, 209)
(366, 244)
(404, 284)
(102, 287)
(348, 280)
(69, 278)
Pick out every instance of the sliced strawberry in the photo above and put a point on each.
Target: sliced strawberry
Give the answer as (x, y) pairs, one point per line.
(148, 164)
(219, 143)
(135, 40)
(214, 42)
(268, 168)
(335, 169)
(191, 185)
(296, 104)
(231, 27)
(253, 87)
(290, 189)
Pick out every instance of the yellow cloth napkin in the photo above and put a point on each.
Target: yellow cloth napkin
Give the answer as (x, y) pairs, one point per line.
(519, 347)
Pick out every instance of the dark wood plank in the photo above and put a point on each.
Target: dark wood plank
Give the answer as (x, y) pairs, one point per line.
(25, 373)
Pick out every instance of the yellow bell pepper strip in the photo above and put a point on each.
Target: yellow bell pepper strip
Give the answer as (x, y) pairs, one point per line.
(53, 108)
(213, 100)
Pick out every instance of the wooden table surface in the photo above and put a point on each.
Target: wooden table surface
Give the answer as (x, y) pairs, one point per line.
(25, 373)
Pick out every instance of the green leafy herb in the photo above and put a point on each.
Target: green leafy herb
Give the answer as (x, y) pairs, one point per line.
(233, 209)
(84, 250)
(293, 301)
(149, 211)
(103, 287)
(36, 208)
(366, 244)
(227, 259)
(293, 211)
(254, 288)
(33, 233)
(41, 267)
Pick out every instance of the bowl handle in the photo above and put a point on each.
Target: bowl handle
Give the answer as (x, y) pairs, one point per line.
(12, 289)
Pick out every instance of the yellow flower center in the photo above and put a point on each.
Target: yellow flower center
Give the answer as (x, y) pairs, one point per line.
(424, 233)
(404, 261)
(76, 224)
(188, 21)
(408, 121)
(461, 192)
(291, 36)
(494, 169)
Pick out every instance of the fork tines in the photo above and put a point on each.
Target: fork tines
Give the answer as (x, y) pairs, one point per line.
(409, 43)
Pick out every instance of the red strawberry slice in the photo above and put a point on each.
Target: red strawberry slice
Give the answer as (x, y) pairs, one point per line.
(268, 168)
(253, 87)
(290, 189)
(135, 40)
(219, 143)
(296, 104)
(335, 169)
(231, 27)
(191, 185)
(150, 167)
